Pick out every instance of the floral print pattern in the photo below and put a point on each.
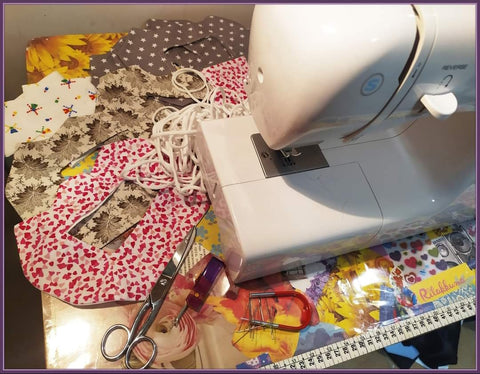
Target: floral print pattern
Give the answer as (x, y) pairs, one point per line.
(131, 117)
(67, 54)
(79, 273)
(125, 207)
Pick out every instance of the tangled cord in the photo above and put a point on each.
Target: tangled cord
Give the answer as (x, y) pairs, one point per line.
(173, 162)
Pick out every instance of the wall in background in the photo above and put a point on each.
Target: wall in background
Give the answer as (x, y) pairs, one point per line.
(25, 22)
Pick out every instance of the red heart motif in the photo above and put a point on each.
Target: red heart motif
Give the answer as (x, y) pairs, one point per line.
(411, 262)
(410, 278)
(38, 272)
(417, 245)
(99, 268)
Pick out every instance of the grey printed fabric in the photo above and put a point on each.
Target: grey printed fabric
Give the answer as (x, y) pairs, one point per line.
(127, 100)
(163, 46)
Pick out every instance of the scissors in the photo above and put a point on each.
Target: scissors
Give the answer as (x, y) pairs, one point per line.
(150, 308)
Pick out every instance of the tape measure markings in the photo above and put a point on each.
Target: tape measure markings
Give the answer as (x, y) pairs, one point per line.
(379, 337)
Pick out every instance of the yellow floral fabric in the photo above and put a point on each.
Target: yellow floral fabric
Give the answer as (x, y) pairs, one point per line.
(67, 54)
(70, 56)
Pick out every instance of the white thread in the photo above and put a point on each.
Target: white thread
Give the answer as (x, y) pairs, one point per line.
(173, 162)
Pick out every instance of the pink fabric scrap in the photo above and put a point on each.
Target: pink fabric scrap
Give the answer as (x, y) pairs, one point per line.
(65, 267)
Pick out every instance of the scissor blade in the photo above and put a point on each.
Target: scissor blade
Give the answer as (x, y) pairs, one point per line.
(164, 282)
(184, 247)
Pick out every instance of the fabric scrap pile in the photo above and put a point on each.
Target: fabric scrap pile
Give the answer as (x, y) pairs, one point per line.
(81, 233)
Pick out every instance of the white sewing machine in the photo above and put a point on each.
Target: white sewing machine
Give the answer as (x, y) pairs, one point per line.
(374, 109)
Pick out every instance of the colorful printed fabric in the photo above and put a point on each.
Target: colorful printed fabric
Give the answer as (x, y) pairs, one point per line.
(110, 220)
(67, 54)
(256, 363)
(83, 165)
(351, 293)
(231, 76)
(163, 46)
(418, 260)
(208, 234)
(43, 107)
(65, 267)
(127, 100)
(418, 257)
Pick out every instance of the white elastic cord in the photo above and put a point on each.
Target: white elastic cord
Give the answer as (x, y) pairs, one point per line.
(173, 162)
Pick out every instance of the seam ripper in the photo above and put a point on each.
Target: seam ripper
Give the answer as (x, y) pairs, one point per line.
(201, 289)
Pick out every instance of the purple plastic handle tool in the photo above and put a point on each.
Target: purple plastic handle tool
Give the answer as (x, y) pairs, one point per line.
(203, 285)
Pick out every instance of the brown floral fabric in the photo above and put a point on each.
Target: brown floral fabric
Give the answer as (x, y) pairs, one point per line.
(36, 167)
(123, 209)
(127, 100)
